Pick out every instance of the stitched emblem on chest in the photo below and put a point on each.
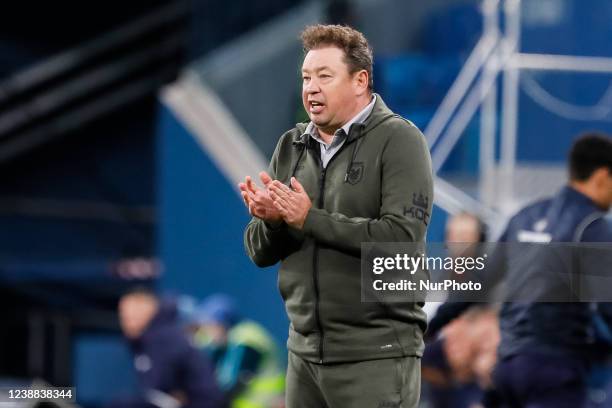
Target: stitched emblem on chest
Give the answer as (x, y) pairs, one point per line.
(355, 173)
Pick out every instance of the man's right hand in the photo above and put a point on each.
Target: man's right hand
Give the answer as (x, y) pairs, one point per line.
(258, 200)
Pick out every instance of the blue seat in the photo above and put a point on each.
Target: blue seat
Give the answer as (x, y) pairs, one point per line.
(454, 30)
(415, 80)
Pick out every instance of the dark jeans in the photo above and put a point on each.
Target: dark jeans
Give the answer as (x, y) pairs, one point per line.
(541, 381)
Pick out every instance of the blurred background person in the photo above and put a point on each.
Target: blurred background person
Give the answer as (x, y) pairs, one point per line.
(547, 348)
(457, 365)
(465, 228)
(246, 358)
(170, 371)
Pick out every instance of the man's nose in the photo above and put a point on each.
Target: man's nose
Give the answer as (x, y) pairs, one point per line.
(311, 87)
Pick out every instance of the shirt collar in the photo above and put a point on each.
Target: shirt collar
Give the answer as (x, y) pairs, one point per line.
(358, 118)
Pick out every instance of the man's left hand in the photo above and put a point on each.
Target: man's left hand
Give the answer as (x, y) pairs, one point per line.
(292, 203)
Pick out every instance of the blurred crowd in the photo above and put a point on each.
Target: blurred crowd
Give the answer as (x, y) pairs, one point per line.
(198, 354)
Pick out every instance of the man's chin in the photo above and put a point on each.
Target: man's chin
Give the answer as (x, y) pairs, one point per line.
(319, 122)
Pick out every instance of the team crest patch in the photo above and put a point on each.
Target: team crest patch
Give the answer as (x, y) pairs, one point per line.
(355, 174)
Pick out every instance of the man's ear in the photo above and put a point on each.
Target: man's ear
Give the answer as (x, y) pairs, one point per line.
(600, 176)
(361, 80)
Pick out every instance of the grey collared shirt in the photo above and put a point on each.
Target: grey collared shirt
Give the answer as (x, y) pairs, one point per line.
(329, 150)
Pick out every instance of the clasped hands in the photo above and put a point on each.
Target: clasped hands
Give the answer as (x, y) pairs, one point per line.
(276, 202)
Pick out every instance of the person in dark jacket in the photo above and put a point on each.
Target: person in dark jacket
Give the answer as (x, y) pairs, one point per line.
(171, 372)
(457, 365)
(546, 347)
(355, 173)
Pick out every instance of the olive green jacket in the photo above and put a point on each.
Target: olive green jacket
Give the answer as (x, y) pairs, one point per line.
(376, 188)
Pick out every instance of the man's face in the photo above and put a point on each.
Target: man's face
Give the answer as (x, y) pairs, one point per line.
(599, 184)
(135, 313)
(217, 333)
(607, 188)
(462, 232)
(329, 91)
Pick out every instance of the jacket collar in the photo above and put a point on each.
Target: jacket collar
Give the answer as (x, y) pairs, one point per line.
(579, 198)
(379, 114)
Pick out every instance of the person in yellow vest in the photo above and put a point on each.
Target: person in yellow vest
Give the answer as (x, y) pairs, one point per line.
(247, 360)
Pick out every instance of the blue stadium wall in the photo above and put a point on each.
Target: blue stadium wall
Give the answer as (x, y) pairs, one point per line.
(201, 224)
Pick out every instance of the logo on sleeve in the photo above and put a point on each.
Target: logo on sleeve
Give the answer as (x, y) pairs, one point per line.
(418, 210)
(420, 200)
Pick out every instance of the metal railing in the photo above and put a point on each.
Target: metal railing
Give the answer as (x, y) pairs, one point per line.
(497, 54)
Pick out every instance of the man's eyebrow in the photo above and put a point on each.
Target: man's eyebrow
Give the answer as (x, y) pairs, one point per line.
(318, 69)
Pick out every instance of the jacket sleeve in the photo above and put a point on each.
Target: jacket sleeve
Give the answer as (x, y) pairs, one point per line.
(446, 313)
(406, 199)
(263, 242)
(596, 273)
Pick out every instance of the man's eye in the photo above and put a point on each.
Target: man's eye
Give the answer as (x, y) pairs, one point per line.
(325, 76)
(306, 78)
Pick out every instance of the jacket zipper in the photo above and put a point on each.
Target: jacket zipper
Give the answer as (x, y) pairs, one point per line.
(320, 204)
(316, 265)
